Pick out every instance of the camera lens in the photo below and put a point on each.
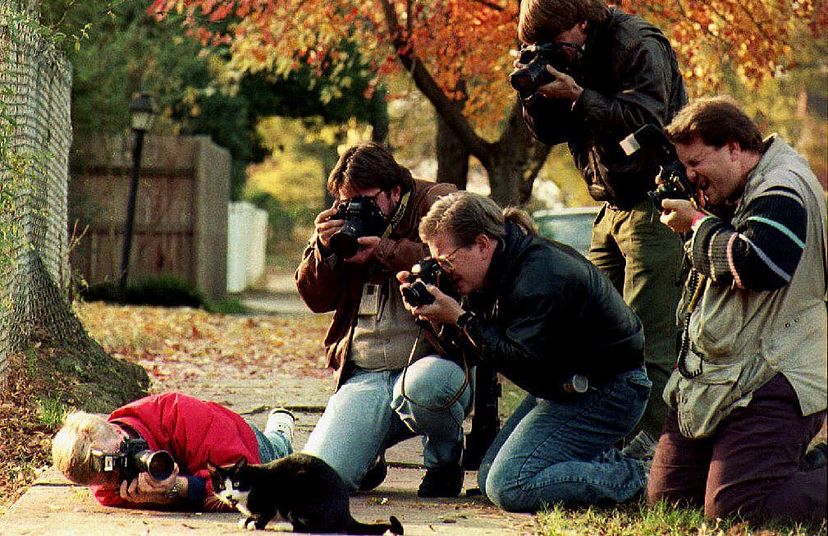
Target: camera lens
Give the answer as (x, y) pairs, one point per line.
(158, 464)
(416, 294)
(528, 79)
(344, 243)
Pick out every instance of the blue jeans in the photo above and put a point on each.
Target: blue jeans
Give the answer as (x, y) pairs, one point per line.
(369, 414)
(562, 450)
(272, 445)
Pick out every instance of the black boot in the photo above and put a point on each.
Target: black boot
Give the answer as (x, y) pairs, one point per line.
(442, 482)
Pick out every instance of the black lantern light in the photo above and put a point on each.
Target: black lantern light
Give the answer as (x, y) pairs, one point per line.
(141, 112)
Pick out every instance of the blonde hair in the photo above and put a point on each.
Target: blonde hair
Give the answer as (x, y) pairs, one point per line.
(73, 444)
(465, 215)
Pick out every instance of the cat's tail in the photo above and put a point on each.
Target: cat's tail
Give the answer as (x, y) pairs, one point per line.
(392, 527)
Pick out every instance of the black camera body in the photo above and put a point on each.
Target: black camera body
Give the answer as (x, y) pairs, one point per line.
(362, 218)
(672, 176)
(527, 79)
(134, 457)
(425, 272)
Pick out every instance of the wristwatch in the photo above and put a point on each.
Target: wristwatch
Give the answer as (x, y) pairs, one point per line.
(173, 492)
(463, 320)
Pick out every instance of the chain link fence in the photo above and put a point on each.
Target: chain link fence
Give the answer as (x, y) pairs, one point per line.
(35, 136)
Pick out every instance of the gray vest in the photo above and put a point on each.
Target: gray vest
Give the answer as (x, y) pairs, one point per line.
(745, 337)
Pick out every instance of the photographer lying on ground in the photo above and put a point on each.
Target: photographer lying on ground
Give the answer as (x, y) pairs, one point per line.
(588, 75)
(551, 322)
(749, 392)
(357, 247)
(113, 455)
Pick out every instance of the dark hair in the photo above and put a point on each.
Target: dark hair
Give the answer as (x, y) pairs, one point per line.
(716, 121)
(541, 21)
(368, 165)
(465, 215)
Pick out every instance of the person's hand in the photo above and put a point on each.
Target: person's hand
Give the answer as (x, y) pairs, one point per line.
(325, 227)
(145, 489)
(678, 214)
(562, 87)
(367, 248)
(444, 309)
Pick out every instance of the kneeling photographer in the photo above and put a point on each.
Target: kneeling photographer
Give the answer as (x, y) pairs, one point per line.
(749, 391)
(548, 320)
(154, 451)
(358, 245)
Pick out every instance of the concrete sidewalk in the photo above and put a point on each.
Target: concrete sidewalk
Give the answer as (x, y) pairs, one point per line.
(53, 506)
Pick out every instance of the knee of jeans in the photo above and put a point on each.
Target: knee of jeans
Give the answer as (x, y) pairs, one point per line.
(500, 484)
(431, 381)
(507, 496)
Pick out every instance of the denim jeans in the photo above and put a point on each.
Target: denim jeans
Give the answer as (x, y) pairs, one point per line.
(642, 258)
(272, 445)
(562, 450)
(369, 414)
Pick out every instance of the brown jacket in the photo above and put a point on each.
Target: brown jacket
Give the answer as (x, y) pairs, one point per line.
(327, 284)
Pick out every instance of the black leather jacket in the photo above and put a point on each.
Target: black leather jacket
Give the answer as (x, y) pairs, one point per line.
(630, 78)
(548, 313)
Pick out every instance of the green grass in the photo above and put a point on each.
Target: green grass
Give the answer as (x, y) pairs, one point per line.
(51, 411)
(662, 519)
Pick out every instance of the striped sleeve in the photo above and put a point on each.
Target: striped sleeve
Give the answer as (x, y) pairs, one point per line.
(763, 252)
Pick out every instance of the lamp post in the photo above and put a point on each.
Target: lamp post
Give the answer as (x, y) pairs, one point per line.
(141, 112)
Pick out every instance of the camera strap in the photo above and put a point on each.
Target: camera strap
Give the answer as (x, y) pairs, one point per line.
(398, 214)
(697, 283)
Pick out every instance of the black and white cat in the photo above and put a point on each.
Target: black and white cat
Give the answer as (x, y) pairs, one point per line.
(302, 489)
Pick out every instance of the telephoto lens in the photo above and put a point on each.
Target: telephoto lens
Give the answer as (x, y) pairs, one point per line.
(159, 464)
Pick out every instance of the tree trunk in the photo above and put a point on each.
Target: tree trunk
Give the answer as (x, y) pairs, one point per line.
(452, 157)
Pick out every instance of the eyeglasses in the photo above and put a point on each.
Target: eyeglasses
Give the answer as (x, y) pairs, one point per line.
(445, 262)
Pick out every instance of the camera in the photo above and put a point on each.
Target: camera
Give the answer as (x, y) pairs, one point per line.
(527, 79)
(672, 177)
(362, 218)
(132, 458)
(425, 272)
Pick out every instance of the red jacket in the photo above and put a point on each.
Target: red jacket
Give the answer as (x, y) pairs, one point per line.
(193, 431)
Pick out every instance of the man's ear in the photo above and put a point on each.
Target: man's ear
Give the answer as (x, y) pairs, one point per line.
(735, 149)
(484, 242)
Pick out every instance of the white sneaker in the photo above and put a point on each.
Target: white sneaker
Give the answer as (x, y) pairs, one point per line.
(281, 421)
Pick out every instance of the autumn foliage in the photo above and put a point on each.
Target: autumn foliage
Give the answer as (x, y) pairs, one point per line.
(468, 40)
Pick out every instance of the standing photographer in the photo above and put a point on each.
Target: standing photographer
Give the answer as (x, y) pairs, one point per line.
(348, 267)
(749, 392)
(190, 430)
(551, 322)
(606, 74)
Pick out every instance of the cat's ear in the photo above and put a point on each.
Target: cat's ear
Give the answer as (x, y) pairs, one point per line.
(240, 463)
(210, 467)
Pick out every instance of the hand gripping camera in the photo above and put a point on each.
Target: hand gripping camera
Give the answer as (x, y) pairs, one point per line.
(425, 272)
(672, 178)
(362, 218)
(527, 79)
(134, 457)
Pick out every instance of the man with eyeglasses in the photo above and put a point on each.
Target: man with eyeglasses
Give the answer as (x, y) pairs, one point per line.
(551, 322)
(613, 74)
(391, 384)
(749, 392)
